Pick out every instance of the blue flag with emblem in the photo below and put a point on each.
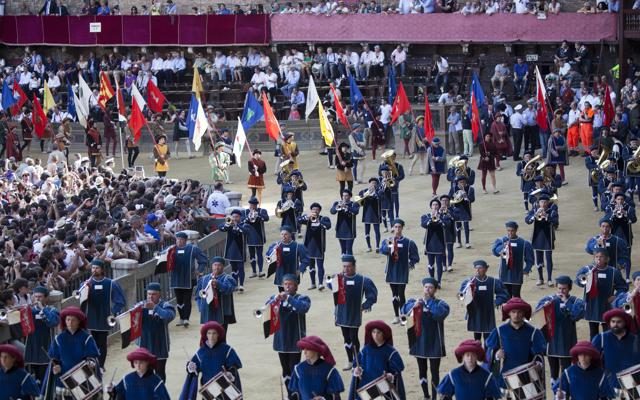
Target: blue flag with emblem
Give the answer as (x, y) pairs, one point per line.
(191, 116)
(7, 96)
(252, 113)
(71, 105)
(393, 88)
(355, 93)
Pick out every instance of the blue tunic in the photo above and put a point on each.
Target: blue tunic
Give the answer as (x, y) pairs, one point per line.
(610, 283)
(557, 145)
(488, 294)
(385, 196)
(346, 223)
(357, 288)
(234, 244)
(398, 271)
(617, 248)
(42, 337)
(224, 313)
(478, 384)
(294, 260)
(136, 387)
(525, 186)
(462, 210)
(290, 217)
(315, 236)
(522, 253)
(565, 335)
(449, 219)
(255, 232)
(69, 349)
(184, 272)
(375, 361)
(210, 361)
(436, 160)
(293, 324)
(520, 345)
(430, 344)
(105, 298)
(17, 383)
(590, 163)
(622, 227)
(371, 211)
(399, 177)
(451, 176)
(590, 384)
(320, 379)
(155, 329)
(543, 237)
(434, 238)
(617, 354)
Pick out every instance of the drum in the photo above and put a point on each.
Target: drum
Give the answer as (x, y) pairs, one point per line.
(378, 389)
(525, 382)
(630, 382)
(81, 381)
(220, 388)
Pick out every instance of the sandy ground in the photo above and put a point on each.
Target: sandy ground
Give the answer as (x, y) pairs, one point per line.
(261, 369)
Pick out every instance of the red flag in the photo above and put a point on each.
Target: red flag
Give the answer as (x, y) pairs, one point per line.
(608, 110)
(137, 120)
(26, 321)
(130, 325)
(476, 126)
(550, 319)
(340, 293)
(38, 117)
(541, 97)
(15, 109)
(339, 110)
(401, 104)
(429, 132)
(155, 98)
(136, 323)
(106, 90)
(122, 113)
(271, 123)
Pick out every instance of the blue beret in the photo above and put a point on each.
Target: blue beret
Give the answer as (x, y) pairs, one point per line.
(181, 235)
(295, 172)
(430, 281)
(372, 179)
(152, 218)
(511, 224)
(635, 275)
(153, 287)
(480, 263)
(97, 262)
(435, 140)
(41, 289)
(315, 205)
(445, 196)
(564, 280)
(463, 158)
(290, 277)
(217, 259)
(398, 221)
(348, 258)
(384, 167)
(286, 228)
(236, 211)
(253, 200)
(603, 220)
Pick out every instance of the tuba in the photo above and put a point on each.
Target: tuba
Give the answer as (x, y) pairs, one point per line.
(633, 165)
(388, 156)
(531, 168)
(603, 163)
(458, 197)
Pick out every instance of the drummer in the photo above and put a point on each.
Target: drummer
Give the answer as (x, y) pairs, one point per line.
(584, 380)
(16, 382)
(143, 383)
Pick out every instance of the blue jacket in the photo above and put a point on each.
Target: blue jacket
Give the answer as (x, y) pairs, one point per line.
(135, 387)
(346, 222)
(315, 236)
(224, 313)
(398, 271)
(294, 260)
(488, 294)
(185, 272)
(478, 384)
(357, 288)
(255, 232)
(235, 242)
(594, 383)
(371, 211)
(155, 329)
(522, 255)
(320, 379)
(17, 383)
(42, 337)
(293, 324)
(290, 217)
(105, 298)
(617, 248)
(622, 227)
(375, 361)
(525, 186)
(565, 335)
(610, 283)
(69, 349)
(397, 178)
(435, 236)
(462, 210)
(544, 236)
(212, 360)
(430, 344)
(451, 177)
(617, 354)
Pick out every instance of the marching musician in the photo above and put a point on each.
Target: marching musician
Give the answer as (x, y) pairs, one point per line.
(215, 295)
(616, 247)
(585, 379)
(289, 208)
(180, 264)
(291, 311)
(632, 175)
(397, 173)
(316, 376)
(213, 356)
(626, 300)
(72, 346)
(344, 165)
(481, 294)
(353, 294)
(591, 163)
(315, 241)
(608, 198)
(561, 332)
(290, 256)
(290, 149)
(436, 162)
(449, 220)
(426, 336)
(434, 239)
(619, 346)
(469, 381)
(299, 187)
(46, 318)
(605, 185)
(156, 316)
(386, 183)
(378, 357)
(254, 219)
(235, 245)
(105, 298)
(371, 212)
(543, 238)
(346, 231)
(526, 186)
(601, 283)
(16, 382)
(257, 169)
(454, 171)
(552, 181)
(402, 256)
(143, 383)
(537, 190)
(622, 216)
(283, 176)
(462, 197)
(515, 342)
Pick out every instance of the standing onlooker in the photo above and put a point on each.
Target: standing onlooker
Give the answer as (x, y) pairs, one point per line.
(467, 133)
(441, 66)
(161, 154)
(454, 142)
(501, 139)
(487, 162)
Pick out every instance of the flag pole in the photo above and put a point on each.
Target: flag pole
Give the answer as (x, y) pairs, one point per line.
(121, 143)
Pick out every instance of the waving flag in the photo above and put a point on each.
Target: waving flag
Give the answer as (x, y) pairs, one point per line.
(135, 94)
(339, 110)
(197, 123)
(81, 110)
(393, 89)
(122, 113)
(137, 120)
(271, 123)
(477, 101)
(312, 98)
(7, 96)
(252, 112)
(130, 324)
(21, 98)
(325, 126)
(355, 95)
(541, 97)
(48, 103)
(21, 320)
(608, 109)
(239, 142)
(106, 90)
(84, 93)
(38, 117)
(401, 104)
(196, 84)
(155, 97)
(71, 104)
(429, 132)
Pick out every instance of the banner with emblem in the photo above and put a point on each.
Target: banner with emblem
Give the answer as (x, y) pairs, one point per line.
(21, 320)
(130, 323)
(271, 321)
(545, 318)
(339, 290)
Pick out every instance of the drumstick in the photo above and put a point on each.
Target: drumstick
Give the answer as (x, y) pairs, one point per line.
(113, 375)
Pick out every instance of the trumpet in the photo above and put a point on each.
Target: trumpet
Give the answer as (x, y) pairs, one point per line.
(313, 218)
(582, 278)
(619, 211)
(77, 293)
(328, 279)
(259, 312)
(112, 320)
(541, 215)
(459, 196)
(228, 220)
(435, 217)
(404, 318)
(4, 314)
(341, 206)
(600, 241)
(253, 215)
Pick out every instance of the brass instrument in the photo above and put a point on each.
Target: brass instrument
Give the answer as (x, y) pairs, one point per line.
(286, 168)
(603, 163)
(633, 165)
(404, 318)
(360, 200)
(272, 257)
(505, 250)
(286, 206)
(228, 220)
(297, 182)
(112, 320)
(77, 293)
(619, 211)
(341, 206)
(582, 278)
(435, 217)
(629, 307)
(459, 196)
(530, 169)
(541, 214)
(253, 215)
(600, 241)
(259, 312)
(313, 218)
(388, 156)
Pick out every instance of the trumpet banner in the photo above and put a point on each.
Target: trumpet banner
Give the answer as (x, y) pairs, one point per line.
(21, 319)
(130, 325)
(545, 318)
(271, 318)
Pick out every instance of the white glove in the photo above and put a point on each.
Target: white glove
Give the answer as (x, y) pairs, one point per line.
(56, 369)
(191, 367)
(357, 372)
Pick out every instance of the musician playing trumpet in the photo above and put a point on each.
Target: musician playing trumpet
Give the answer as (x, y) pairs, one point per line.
(565, 311)
(235, 245)
(397, 171)
(254, 219)
(461, 199)
(371, 212)
(214, 295)
(315, 241)
(543, 218)
(346, 230)
(434, 239)
(616, 247)
(288, 208)
(525, 185)
(46, 318)
(630, 301)
(481, 294)
(156, 316)
(291, 256)
(622, 216)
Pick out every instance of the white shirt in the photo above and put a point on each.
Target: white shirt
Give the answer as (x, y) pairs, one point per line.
(53, 82)
(180, 63)
(378, 57)
(125, 64)
(258, 79)
(573, 117)
(168, 64)
(286, 61)
(233, 62)
(156, 64)
(366, 57)
(220, 61)
(271, 80)
(521, 7)
(217, 203)
(385, 113)
(399, 56)
(265, 62)
(443, 65)
(353, 59)
(25, 78)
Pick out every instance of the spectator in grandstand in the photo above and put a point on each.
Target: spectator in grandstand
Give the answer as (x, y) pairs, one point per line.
(587, 8)
(366, 57)
(103, 9)
(377, 63)
(170, 8)
(270, 86)
(500, 75)
(319, 60)
(50, 7)
(292, 81)
(448, 6)
(441, 67)
(520, 76)
(399, 60)
(219, 71)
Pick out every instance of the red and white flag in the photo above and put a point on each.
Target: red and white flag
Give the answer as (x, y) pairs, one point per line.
(106, 90)
(155, 98)
(339, 290)
(21, 319)
(541, 98)
(271, 322)
(137, 120)
(130, 323)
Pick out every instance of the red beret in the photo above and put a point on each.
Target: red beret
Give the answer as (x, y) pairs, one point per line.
(73, 312)
(469, 346)
(618, 312)
(585, 347)
(381, 325)
(142, 354)
(516, 303)
(14, 352)
(215, 326)
(314, 343)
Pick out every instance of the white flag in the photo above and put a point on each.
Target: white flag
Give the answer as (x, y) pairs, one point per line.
(201, 126)
(135, 93)
(84, 96)
(81, 110)
(239, 142)
(312, 98)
